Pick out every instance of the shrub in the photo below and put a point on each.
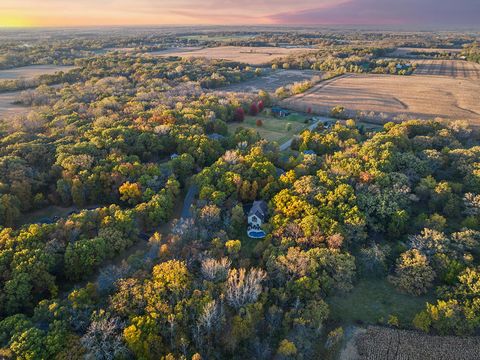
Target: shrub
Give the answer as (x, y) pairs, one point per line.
(422, 321)
(334, 338)
(350, 123)
(281, 92)
(253, 109)
(337, 112)
(239, 115)
(393, 321)
(301, 87)
(260, 105)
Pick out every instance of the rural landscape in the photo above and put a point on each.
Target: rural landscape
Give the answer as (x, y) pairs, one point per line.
(253, 190)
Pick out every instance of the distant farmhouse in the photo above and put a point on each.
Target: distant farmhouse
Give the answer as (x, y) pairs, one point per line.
(256, 217)
(280, 112)
(216, 136)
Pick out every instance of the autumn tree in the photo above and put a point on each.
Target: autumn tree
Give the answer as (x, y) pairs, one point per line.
(413, 273)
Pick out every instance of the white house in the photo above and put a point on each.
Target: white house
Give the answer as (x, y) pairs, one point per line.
(256, 217)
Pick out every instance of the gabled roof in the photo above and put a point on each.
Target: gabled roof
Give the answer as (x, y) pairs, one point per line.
(259, 209)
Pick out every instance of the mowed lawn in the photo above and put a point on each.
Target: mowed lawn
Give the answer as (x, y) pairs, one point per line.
(372, 301)
(273, 129)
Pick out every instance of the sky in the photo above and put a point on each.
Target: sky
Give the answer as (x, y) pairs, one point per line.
(60, 13)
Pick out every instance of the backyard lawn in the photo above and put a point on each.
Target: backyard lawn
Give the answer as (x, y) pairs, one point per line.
(48, 212)
(373, 301)
(273, 129)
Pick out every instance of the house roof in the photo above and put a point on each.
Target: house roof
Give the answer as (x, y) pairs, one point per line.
(259, 209)
(279, 109)
(216, 136)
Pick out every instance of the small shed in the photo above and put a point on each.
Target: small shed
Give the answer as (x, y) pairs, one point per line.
(216, 136)
(280, 112)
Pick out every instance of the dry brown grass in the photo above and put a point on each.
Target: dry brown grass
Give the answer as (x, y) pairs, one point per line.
(415, 96)
(273, 80)
(379, 343)
(8, 109)
(32, 71)
(452, 68)
(249, 55)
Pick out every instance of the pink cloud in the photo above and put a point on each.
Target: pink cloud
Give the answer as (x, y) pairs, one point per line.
(418, 12)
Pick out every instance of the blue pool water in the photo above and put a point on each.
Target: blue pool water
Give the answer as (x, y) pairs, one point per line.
(257, 234)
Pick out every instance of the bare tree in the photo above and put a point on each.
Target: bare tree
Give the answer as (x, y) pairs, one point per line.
(208, 323)
(210, 316)
(243, 288)
(215, 270)
(103, 339)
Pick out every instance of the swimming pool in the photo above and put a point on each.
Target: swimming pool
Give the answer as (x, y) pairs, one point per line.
(256, 234)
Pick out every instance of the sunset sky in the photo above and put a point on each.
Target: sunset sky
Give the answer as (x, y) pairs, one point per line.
(234, 12)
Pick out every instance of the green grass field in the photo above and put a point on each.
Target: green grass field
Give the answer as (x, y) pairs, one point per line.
(273, 129)
(370, 126)
(372, 301)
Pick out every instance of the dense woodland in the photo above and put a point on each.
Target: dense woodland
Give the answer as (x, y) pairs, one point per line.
(401, 203)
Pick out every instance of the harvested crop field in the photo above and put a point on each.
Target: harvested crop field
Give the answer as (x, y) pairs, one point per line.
(249, 55)
(380, 343)
(32, 71)
(7, 108)
(390, 96)
(410, 52)
(451, 68)
(273, 80)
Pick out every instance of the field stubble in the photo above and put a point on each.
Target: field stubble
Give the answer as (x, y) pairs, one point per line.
(414, 96)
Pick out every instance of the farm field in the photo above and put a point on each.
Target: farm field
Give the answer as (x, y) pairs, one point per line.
(452, 68)
(273, 81)
(32, 71)
(174, 50)
(6, 106)
(415, 96)
(273, 129)
(407, 51)
(249, 55)
(391, 344)
(215, 37)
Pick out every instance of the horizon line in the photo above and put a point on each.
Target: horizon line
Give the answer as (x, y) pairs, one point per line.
(289, 25)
